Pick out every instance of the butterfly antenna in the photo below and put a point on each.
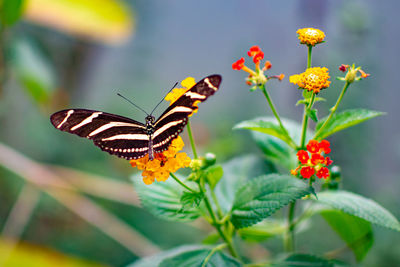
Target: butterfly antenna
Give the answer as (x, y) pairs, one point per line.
(163, 98)
(132, 103)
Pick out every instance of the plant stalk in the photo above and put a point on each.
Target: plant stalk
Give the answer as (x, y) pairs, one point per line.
(182, 183)
(333, 110)
(309, 56)
(189, 129)
(216, 224)
(272, 106)
(305, 122)
(305, 117)
(289, 235)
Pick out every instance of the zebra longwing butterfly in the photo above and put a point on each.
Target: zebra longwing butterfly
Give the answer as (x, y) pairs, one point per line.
(130, 139)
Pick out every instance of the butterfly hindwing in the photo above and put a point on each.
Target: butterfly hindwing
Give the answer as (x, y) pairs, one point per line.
(171, 123)
(114, 134)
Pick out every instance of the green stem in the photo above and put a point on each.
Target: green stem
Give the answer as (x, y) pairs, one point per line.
(216, 224)
(333, 110)
(272, 106)
(219, 247)
(305, 117)
(289, 236)
(182, 184)
(307, 213)
(189, 129)
(219, 210)
(305, 122)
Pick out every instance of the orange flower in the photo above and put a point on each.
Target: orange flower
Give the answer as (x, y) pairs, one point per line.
(313, 146)
(281, 76)
(310, 36)
(163, 164)
(256, 53)
(312, 161)
(303, 156)
(257, 76)
(253, 50)
(307, 171)
(313, 79)
(238, 65)
(323, 173)
(324, 145)
(317, 158)
(267, 65)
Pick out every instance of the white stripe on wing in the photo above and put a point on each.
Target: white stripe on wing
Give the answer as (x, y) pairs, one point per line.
(86, 121)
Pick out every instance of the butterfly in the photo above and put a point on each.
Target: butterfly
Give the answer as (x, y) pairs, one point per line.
(130, 139)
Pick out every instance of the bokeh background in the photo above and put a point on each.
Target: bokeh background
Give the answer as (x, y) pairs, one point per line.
(62, 200)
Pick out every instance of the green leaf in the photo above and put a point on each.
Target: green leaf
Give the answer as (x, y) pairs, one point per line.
(190, 200)
(163, 199)
(206, 256)
(276, 150)
(33, 69)
(356, 232)
(236, 172)
(211, 239)
(317, 99)
(263, 230)
(269, 228)
(360, 207)
(301, 260)
(214, 174)
(11, 11)
(263, 126)
(156, 259)
(312, 114)
(262, 196)
(345, 119)
(307, 101)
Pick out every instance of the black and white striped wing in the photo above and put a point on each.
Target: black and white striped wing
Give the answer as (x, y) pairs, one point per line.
(117, 135)
(171, 123)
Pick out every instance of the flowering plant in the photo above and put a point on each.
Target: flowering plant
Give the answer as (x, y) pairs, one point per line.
(238, 198)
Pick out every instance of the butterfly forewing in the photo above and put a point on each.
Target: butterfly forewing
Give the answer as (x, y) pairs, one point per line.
(127, 138)
(171, 123)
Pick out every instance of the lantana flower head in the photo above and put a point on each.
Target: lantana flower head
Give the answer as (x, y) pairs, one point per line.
(313, 160)
(163, 163)
(310, 36)
(256, 76)
(313, 79)
(352, 72)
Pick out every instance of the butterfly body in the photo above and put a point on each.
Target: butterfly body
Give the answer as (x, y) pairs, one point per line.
(130, 139)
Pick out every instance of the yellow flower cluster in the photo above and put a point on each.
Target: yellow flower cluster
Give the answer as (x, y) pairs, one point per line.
(310, 36)
(163, 163)
(313, 79)
(178, 92)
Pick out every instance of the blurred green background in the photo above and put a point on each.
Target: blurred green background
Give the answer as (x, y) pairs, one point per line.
(63, 201)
